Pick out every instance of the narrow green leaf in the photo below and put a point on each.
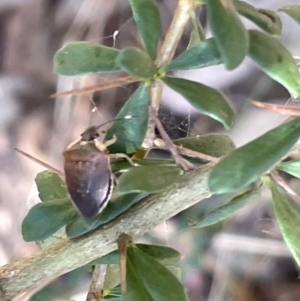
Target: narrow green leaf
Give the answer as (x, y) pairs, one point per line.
(150, 179)
(216, 145)
(275, 60)
(293, 11)
(266, 19)
(202, 55)
(227, 210)
(165, 255)
(50, 186)
(249, 162)
(114, 208)
(80, 58)
(136, 62)
(207, 100)
(44, 219)
(130, 132)
(287, 216)
(149, 280)
(229, 32)
(290, 167)
(147, 19)
(113, 294)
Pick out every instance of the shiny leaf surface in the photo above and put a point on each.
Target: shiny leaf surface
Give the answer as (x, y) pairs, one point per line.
(165, 255)
(290, 167)
(216, 145)
(293, 11)
(44, 219)
(147, 19)
(136, 62)
(266, 19)
(130, 133)
(80, 58)
(149, 280)
(207, 100)
(287, 216)
(150, 179)
(229, 32)
(247, 163)
(204, 54)
(50, 186)
(275, 60)
(226, 210)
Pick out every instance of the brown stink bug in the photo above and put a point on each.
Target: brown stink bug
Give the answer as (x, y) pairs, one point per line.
(88, 173)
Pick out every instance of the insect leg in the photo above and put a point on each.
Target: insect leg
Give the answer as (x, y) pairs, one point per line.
(111, 141)
(121, 156)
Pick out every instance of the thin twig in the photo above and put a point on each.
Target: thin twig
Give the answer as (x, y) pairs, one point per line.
(180, 18)
(39, 162)
(97, 283)
(123, 241)
(284, 185)
(113, 84)
(294, 111)
(186, 152)
(180, 161)
(165, 55)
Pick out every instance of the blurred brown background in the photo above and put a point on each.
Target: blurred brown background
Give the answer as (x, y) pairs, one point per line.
(243, 259)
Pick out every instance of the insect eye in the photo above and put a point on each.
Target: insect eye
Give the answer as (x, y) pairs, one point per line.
(90, 134)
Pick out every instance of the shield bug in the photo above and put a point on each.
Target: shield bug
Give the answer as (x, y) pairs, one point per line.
(88, 173)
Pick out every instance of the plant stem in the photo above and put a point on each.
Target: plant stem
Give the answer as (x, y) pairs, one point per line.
(67, 255)
(165, 55)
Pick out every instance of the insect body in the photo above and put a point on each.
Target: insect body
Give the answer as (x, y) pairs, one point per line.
(88, 174)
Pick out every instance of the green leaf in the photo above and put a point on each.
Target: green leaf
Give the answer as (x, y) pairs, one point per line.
(136, 62)
(131, 132)
(207, 100)
(113, 294)
(150, 179)
(275, 60)
(287, 216)
(146, 17)
(290, 167)
(50, 186)
(249, 162)
(204, 54)
(216, 145)
(44, 219)
(114, 208)
(80, 58)
(266, 19)
(165, 255)
(148, 280)
(229, 32)
(293, 11)
(226, 210)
